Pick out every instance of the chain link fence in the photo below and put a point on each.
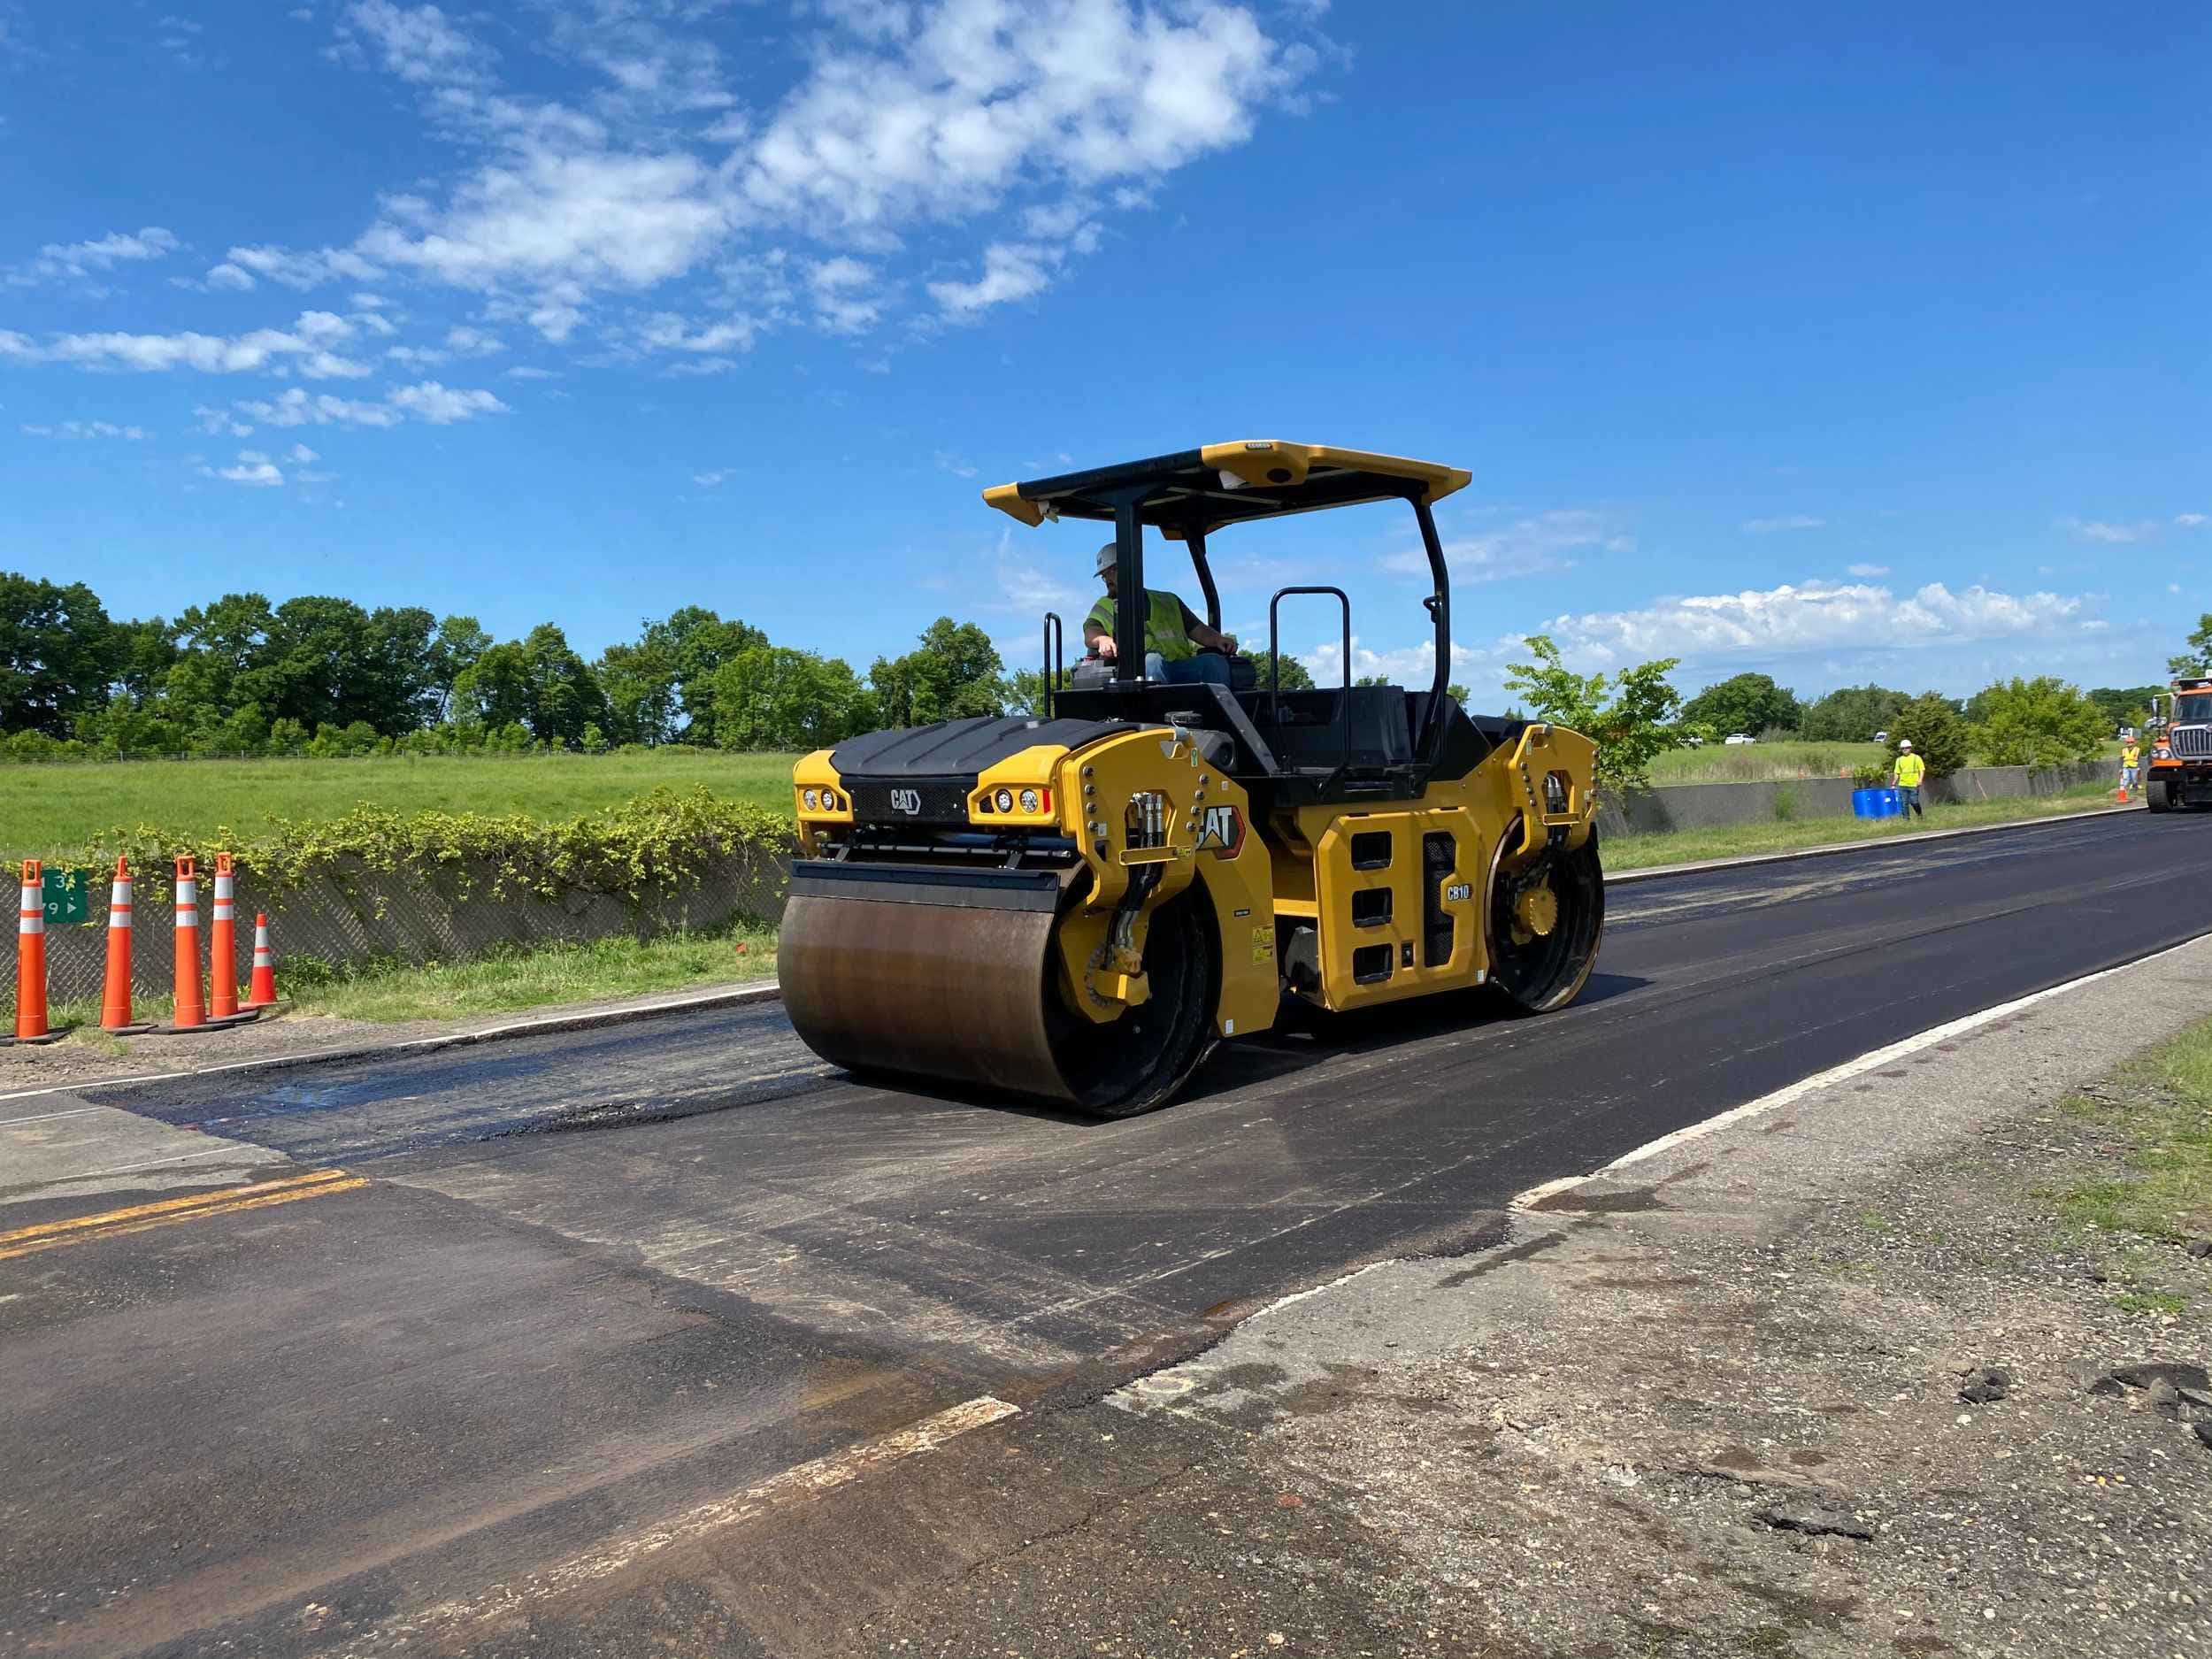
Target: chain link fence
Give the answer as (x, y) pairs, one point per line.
(361, 916)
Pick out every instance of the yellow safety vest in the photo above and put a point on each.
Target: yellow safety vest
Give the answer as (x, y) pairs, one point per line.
(1163, 630)
(1910, 770)
(2131, 756)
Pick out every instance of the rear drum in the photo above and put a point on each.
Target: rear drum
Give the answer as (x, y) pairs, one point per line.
(1544, 944)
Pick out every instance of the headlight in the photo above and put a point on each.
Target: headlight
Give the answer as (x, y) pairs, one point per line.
(830, 802)
(813, 798)
(1029, 800)
(1003, 800)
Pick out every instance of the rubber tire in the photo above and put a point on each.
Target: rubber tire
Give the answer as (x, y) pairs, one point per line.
(1111, 1077)
(1549, 973)
(2155, 795)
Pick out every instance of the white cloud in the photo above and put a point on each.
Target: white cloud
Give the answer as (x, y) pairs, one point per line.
(473, 342)
(1786, 521)
(2103, 531)
(1529, 544)
(230, 279)
(442, 406)
(305, 348)
(87, 429)
(1011, 271)
(417, 44)
(909, 116)
(1868, 570)
(846, 295)
(2193, 520)
(428, 401)
(1807, 617)
(254, 470)
(292, 270)
(302, 455)
(527, 373)
(665, 331)
(713, 481)
(56, 260)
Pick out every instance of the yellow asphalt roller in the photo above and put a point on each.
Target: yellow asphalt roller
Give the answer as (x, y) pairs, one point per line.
(1075, 907)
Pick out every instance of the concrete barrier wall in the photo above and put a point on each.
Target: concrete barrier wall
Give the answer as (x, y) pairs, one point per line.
(1688, 806)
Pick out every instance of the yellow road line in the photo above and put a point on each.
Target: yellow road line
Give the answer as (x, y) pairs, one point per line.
(139, 1217)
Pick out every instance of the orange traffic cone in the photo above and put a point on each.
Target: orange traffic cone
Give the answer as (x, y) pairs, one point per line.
(262, 992)
(115, 998)
(191, 1010)
(30, 956)
(222, 945)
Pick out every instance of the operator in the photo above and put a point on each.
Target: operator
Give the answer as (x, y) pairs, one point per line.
(1178, 647)
(2130, 763)
(1910, 770)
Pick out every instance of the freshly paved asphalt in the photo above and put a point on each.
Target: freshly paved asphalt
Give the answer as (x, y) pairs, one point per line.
(595, 1280)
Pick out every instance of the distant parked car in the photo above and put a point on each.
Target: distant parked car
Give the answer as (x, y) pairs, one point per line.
(1737, 737)
(1881, 737)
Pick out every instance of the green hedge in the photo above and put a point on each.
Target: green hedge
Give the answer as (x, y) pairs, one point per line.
(666, 838)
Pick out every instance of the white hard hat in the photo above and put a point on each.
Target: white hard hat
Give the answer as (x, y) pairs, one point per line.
(1107, 554)
(1904, 743)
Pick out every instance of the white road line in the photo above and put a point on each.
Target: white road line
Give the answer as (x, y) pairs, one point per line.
(804, 1481)
(47, 1118)
(1869, 1062)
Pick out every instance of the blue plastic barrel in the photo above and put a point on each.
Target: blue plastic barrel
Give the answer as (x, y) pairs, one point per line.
(1863, 804)
(1889, 804)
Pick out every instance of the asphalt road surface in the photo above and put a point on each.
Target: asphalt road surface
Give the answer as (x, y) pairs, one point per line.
(616, 1342)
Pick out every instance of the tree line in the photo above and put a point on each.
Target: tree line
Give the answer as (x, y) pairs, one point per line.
(1636, 715)
(318, 675)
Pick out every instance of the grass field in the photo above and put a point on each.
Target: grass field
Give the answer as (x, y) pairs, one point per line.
(47, 810)
(1763, 763)
(1736, 841)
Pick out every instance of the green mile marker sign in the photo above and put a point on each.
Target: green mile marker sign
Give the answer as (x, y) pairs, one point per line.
(68, 898)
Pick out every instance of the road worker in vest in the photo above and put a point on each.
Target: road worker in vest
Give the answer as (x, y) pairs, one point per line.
(2130, 763)
(1178, 647)
(1910, 770)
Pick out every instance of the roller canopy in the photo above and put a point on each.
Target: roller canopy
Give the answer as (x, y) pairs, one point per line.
(1197, 491)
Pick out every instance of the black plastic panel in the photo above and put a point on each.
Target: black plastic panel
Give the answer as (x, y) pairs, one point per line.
(1370, 907)
(1371, 849)
(1372, 963)
(1440, 853)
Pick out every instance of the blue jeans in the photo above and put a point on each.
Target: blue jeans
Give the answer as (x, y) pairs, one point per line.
(1207, 668)
(1908, 801)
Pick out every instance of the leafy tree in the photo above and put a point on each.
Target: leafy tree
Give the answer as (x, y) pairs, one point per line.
(561, 697)
(2198, 658)
(1852, 714)
(460, 641)
(1296, 676)
(1026, 693)
(1458, 694)
(57, 653)
(1633, 718)
(1938, 736)
(1374, 679)
(494, 691)
(2128, 705)
(638, 682)
(955, 675)
(2039, 722)
(773, 697)
(1745, 702)
(697, 641)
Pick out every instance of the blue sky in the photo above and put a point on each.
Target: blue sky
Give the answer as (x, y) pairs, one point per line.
(1839, 344)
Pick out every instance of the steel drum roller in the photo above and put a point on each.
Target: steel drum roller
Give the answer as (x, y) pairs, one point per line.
(941, 990)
